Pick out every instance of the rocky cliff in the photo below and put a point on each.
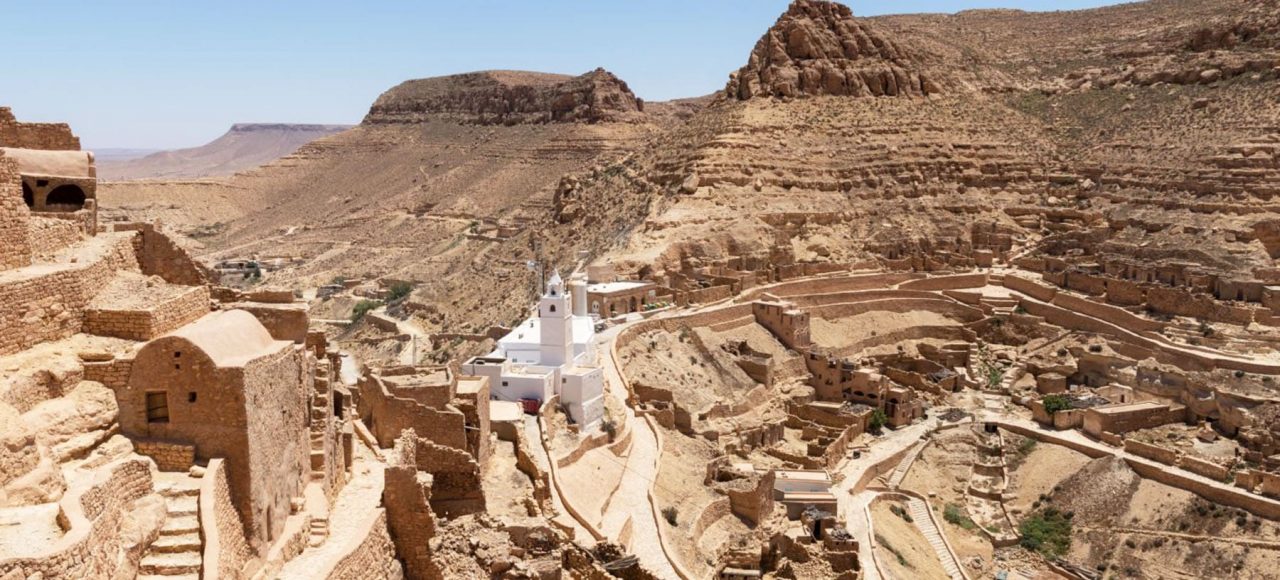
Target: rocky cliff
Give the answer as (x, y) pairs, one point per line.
(510, 98)
(818, 48)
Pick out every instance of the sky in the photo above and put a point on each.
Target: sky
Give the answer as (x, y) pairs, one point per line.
(160, 74)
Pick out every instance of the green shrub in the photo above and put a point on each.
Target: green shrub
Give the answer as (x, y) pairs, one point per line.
(1055, 403)
(400, 290)
(671, 514)
(362, 308)
(955, 517)
(878, 420)
(1047, 532)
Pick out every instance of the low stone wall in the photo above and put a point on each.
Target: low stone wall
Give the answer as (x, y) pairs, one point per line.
(143, 325)
(584, 445)
(830, 285)
(1112, 314)
(374, 558)
(92, 512)
(114, 374)
(391, 415)
(1153, 452)
(1205, 468)
(1041, 292)
(226, 552)
(50, 235)
(44, 306)
(947, 282)
(168, 456)
(933, 303)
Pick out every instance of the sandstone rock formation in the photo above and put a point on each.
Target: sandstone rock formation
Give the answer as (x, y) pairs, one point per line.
(819, 48)
(510, 98)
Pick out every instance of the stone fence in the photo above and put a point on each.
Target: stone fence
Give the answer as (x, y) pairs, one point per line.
(92, 512)
(226, 552)
(372, 557)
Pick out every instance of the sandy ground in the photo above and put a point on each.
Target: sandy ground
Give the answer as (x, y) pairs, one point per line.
(1043, 468)
(901, 548)
(592, 481)
(851, 330)
(507, 490)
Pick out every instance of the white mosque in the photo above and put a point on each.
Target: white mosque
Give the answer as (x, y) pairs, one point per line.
(550, 354)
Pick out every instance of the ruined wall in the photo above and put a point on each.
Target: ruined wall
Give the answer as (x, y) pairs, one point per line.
(225, 549)
(46, 306)
(789, 324)
(389, 415)
(159, 255)
(92, 511)
(406, 495)
(48, 136)
(456, 481)
(15, 241)
(1153, 452)
(49, 236)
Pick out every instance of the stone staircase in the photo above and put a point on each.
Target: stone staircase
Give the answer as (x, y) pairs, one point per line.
(919, 511)
(998, 305)
(900, 472)
(319, 531)
(178, 552)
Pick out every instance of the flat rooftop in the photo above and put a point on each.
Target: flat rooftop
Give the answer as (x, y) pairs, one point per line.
(1130, 407)
(612, 287)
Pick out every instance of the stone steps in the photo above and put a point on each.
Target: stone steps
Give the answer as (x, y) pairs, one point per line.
(177, 543)
(183, 505)
(319, 531)
(175, 526)
(170, 564)
(919, 511)
(900, 472)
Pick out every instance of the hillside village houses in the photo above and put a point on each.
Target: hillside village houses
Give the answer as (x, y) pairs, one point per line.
(549, 355)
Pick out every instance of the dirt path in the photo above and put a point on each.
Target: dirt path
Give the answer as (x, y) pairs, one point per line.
(358, 498)
(631, 501)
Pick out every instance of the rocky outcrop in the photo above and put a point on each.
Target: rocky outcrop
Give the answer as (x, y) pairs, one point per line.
(510, 98)
(819, 48)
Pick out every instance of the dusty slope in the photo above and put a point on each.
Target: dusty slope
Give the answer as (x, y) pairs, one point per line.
(244, 146)
(1150, 130)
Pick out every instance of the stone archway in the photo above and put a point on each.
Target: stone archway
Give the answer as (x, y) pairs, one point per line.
(65, 198)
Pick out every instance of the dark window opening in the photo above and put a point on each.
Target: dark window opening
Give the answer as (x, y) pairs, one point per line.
(177, 354)
(42, 183)
(157, 407)
(553, 307)
(191, 397)
(65, 198)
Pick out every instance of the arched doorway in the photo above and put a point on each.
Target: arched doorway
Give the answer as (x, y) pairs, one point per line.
(633, 304)
(28, 196)
(65, 198)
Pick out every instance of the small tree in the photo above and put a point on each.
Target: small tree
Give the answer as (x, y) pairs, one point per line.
(671, 514)
(400, 290)
(362, 308)
(878, 421)
(1055, 403)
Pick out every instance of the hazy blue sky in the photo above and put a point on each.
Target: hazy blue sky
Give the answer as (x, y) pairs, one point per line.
(162, 74)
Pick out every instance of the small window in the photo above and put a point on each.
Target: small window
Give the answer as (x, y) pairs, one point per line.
(504, 383)
(157, 407)
(177, 354)
(553, 307)
(191, 397)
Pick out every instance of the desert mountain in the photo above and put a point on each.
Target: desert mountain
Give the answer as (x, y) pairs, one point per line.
(244, 146)
(819, 48)
(509, 98)
(1145, 129)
